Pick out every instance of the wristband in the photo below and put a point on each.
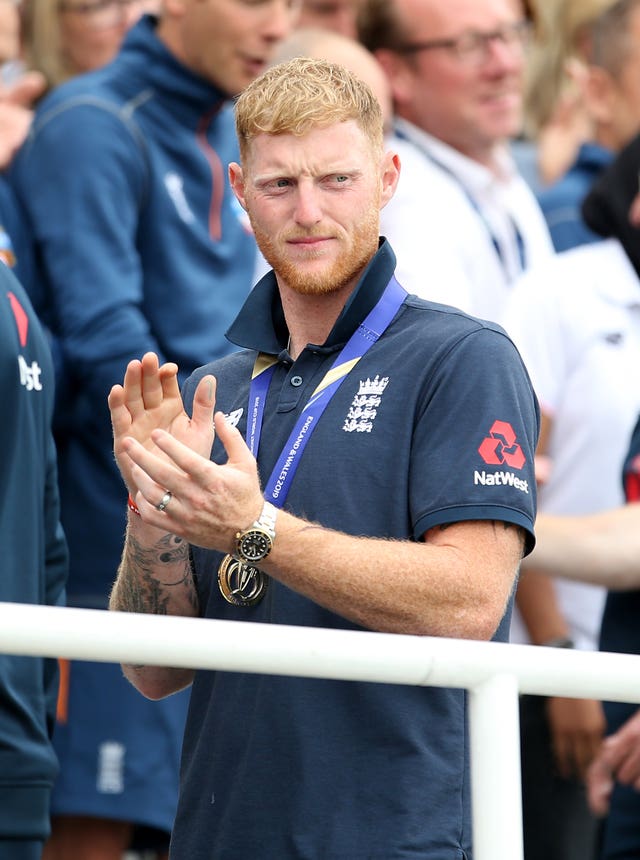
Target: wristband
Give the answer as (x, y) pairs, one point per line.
(132, 506)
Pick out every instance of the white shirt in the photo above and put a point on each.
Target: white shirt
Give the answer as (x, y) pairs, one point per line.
(447, 216)
(576, 321)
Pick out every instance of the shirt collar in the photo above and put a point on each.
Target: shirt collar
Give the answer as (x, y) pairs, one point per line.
(473, 175)
(622, 288)
(261, 326)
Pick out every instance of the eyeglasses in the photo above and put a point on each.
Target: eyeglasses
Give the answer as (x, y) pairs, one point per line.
(473, 47)
(102, 14)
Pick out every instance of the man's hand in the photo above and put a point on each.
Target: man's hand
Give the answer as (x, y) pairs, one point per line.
(150, 400)
(25, 90)
(618, 761)
(208, 502)
(577, 727)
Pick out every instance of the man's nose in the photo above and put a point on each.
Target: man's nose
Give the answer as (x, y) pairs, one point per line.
(308, 209)
(504, 54)
(280, 19)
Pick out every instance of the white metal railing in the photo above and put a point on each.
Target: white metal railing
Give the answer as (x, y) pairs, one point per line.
(493, 673)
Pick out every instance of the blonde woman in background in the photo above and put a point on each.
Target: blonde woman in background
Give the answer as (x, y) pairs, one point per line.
(582, 104)
(64, 38)
(554, 115)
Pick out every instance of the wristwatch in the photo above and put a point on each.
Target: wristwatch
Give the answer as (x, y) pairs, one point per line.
(255, 543)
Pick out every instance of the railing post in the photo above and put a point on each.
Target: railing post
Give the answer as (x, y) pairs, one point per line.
(496, 792)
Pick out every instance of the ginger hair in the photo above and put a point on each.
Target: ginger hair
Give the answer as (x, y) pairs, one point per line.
(302, 94)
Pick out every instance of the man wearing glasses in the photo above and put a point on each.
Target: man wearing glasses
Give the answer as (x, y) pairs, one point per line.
(464, 222)
(87, 34)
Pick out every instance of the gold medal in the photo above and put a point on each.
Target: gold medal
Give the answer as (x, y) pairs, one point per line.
(241, 584)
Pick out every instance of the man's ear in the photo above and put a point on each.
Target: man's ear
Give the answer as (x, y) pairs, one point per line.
(599, 89)
(236, 180)
(390, 177)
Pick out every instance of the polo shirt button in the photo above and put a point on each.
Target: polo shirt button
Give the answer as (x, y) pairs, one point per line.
(296, 381)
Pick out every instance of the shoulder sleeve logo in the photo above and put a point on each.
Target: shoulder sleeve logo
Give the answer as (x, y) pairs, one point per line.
(501, 447)
(22, 320)
(632, 480)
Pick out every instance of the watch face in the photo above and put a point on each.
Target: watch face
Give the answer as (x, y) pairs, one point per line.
(254, 545)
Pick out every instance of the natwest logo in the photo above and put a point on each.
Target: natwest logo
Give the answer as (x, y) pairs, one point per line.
(501, 447)
(30, 374)
(632, 480)
(500, 479)
(21, 318)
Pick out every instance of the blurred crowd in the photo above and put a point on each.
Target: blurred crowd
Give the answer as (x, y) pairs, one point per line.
(517, 130)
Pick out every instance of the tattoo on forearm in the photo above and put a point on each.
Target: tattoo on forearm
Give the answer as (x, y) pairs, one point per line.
(148, 575)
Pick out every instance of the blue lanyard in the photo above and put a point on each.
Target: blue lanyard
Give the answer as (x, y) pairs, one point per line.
(522, 253)
(368, 332)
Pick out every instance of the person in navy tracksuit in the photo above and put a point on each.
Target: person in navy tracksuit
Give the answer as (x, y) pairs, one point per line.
(142, 247)
(33, 570)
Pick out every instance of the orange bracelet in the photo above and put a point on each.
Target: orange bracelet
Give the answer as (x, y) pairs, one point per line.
(132, 506)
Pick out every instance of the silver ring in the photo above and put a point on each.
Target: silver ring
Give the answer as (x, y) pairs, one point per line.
(164, 501)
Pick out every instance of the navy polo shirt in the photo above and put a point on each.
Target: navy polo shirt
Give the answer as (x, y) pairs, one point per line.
(437, 423)
(620, 632)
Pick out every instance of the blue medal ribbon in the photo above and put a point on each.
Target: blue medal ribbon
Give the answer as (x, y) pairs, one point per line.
(368, 332)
